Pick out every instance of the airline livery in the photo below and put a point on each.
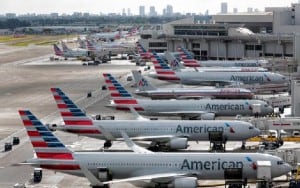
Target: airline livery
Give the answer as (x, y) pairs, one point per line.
(170, 134)
(164, 72)
(189, 61)
(145, 88)
(193, 109)
(169, 169)
(69, 53)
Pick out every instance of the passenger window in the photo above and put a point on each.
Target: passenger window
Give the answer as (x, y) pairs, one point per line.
(251, 127)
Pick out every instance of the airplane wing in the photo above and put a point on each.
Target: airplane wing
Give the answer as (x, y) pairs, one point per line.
(185, 112)
(133, 146)
(150, 138)
(148, 177)
(136, 114)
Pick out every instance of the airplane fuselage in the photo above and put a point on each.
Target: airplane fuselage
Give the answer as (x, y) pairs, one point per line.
(227, 78)
(194, 130)
(220, 107)
(176, 93)
(204, 165)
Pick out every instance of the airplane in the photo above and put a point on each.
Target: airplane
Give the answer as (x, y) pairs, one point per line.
(206, 109)
(108, 46)
(189, 61)
(141, 167)
(176, 65)
(163, 134)
(218, 78)
(68, 53)
(146, 89)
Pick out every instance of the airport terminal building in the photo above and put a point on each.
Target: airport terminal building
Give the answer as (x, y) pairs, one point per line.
(272, 34)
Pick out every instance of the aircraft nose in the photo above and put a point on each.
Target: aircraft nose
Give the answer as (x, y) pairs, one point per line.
(256, 132)
(287, 168)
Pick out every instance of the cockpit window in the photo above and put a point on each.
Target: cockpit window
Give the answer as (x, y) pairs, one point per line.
(251, 127)
(266, 105)
(280, 162)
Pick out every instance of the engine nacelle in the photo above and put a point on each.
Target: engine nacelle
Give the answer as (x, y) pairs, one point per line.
(186, 182)
(208, 116)
(178, 143)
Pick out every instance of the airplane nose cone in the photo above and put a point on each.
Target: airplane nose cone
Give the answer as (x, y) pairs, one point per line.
(256, 132)
(287, 168)
(270, 109)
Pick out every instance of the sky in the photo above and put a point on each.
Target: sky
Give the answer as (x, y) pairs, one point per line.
(116, 6)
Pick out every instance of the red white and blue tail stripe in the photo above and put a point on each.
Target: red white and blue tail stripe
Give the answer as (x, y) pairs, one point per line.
(120, 96)
(75, 119)
(57, 50)
(143, 52)
(45, 144)
(51, 152)
(90, 46)
(187, 58)
(164, 72)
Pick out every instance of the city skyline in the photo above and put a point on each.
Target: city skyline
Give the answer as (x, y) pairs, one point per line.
(106, 7)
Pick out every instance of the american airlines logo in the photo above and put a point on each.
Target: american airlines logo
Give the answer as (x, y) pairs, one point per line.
(143, 82)
(175, 63)
(267, 78)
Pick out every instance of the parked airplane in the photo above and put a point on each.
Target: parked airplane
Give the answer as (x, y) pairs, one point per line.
(68, 53)
(169, 134)
(108, 46)
(178, 66)
(193, 109)
(189, 61)
(164, 72)
(146, 89)
(170, 169)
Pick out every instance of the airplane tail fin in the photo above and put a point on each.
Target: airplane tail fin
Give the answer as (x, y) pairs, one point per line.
(120, 96)
(143, 52)
(57, 50)
(163, 71)
(81, 43)
(90, 46)
(187, 58)
(141, 82)
(174, 63)
(65, 47)
(70, 112)
(45, 144)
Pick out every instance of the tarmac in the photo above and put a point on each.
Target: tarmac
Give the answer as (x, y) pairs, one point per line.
(26, 83)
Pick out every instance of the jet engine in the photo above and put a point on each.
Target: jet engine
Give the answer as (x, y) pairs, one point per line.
(186, 182)
(178, 143)
(208, 116)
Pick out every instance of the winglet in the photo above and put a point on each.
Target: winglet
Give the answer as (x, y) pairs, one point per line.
(133, 146)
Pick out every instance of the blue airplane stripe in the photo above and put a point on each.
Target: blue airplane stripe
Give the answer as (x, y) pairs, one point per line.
(55, 145)
(50, 139)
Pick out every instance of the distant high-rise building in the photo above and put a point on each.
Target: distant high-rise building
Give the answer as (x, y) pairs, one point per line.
(152, 11)
(128, 12)
(235, 10)
(169, 10)
(206, 13)
(142, 11)
(123, 12)
(164, 12)
(223, 8)
(10, 15)
(249, 10)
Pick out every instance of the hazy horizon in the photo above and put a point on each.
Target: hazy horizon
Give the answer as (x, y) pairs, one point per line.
(113, 6)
